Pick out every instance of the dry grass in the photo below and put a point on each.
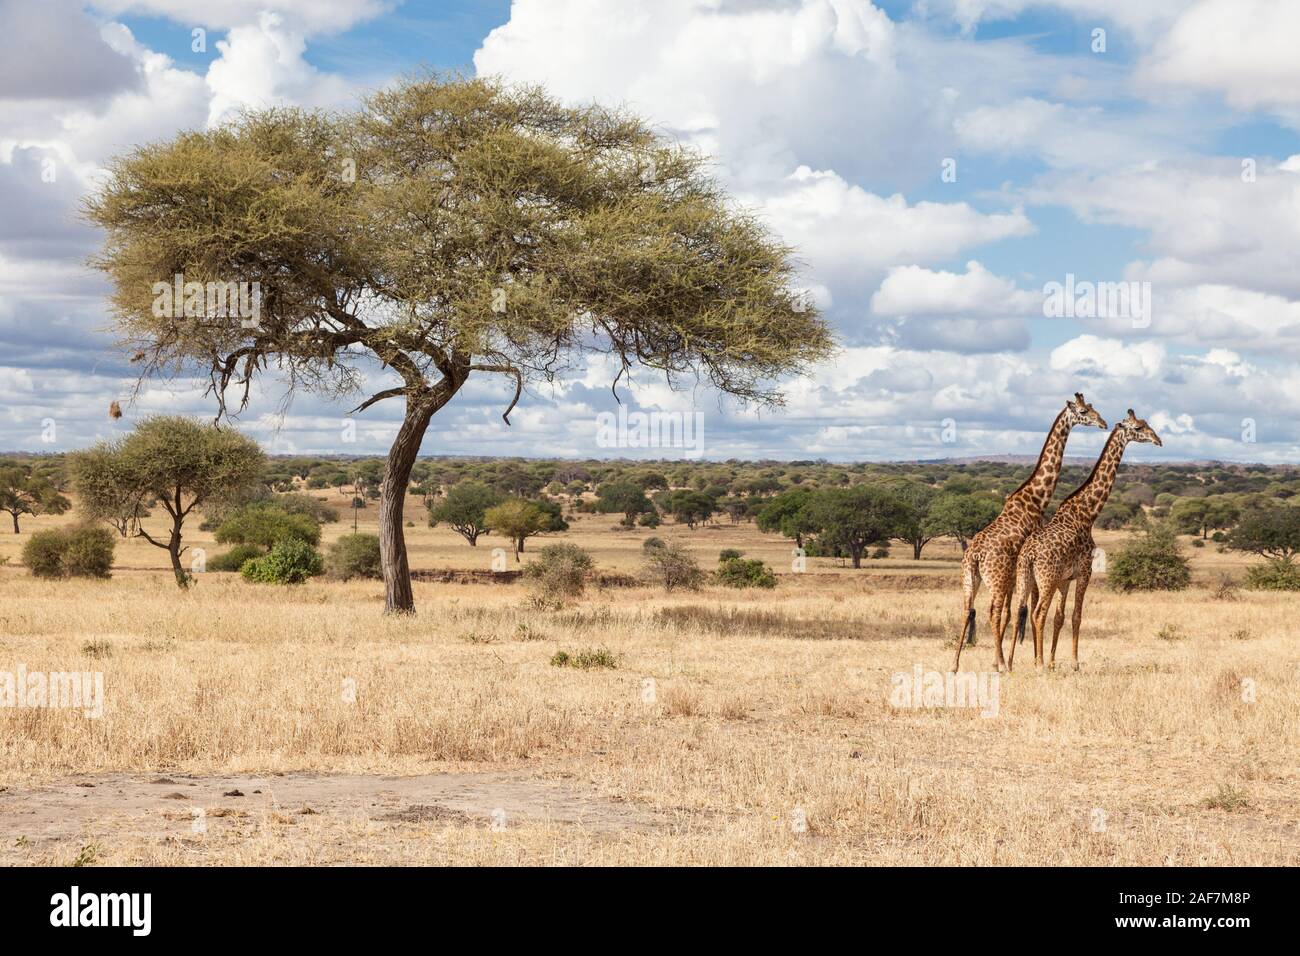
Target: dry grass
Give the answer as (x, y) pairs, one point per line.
(764, 703)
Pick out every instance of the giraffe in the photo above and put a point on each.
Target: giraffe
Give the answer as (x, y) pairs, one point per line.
(991, 554)
(1061, 551)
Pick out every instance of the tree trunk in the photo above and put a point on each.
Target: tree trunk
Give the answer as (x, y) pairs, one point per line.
(916, 550)
(856, 552)
(420, 407)
(15, 515)
(174, 550)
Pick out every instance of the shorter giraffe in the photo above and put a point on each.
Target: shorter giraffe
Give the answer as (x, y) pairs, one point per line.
(1061, 551)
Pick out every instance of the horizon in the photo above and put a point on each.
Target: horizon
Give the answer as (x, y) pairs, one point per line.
(1019, 160)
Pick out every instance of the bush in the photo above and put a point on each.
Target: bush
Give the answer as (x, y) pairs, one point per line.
(585, 659)
(745, 573)
(1150, 561)
(880, 553)
(354, 556)
(1197, 543)
(234, 559)
(43, 553)
(560, 570)
(729, 554)
(1275, 574)
(672, 567)
(291, 561)
(81, 552)
(265, 525)
(649, 544)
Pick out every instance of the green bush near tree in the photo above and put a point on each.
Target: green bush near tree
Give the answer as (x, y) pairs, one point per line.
(741, 572)
(291, 561)
(1275, 574)
(81, 552)
(1150, 561)
(354, 556)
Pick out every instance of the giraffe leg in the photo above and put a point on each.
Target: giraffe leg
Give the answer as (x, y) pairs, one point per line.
(1040, 623)
(1004, 618)
(1058, 621)
(970, 581)
(1027, 599)
(1080, 587)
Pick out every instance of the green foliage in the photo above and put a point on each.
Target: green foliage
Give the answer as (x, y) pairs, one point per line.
(1150, 561)
(234, 559)
(744, 573)
(291, 561)
(85, 551)
(25, 492)
(671, 567)
(592, 657)
(560, 570)
(465, 508)
(850, 519)
(690, 508)
(1275, 574)
(516, 520)
(623, 497)
(729, 554)
(961, 515)
(354, 556)
(263, 524)
(1271, 531)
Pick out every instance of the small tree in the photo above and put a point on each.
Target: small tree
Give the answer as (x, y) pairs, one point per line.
(1273, 533)
(23, 493)
(180, 463)
(961, 516)
(916, 500)
(354, 556)
(560, 571)
(1150, 561)
(623, 497)
(671, 566)
(786, 514)
(855, 518)
(465, 508)
(517, 520)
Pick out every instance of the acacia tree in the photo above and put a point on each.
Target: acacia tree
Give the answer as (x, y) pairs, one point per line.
(180, 463)
(447, 229)
(518, 520)
(25, 493)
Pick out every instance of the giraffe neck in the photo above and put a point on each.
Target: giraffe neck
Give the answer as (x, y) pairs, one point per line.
(1037, 491)
(1091, 496)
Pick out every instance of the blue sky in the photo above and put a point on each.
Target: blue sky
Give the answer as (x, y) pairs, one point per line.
(834, 120)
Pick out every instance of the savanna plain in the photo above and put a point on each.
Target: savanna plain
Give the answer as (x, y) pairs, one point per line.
(251, 724)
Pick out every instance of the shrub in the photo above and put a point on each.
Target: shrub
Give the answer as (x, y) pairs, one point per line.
(880, 552)
(650, 544)
(1197, 543)
(81, 552)
(354, 556)
(1275, 574)
(585, 659)
(265, 525)
(560, 570)
(234, 559)
(672, 567)
(43, 553)
(1151, 561)
(730, 554)
(89, 552)
(291, 561)
(745, 573)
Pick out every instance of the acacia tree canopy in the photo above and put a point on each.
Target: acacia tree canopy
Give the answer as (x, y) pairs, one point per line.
(446, 228)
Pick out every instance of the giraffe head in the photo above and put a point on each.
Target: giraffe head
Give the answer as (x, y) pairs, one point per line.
(1137, 429)
(1079, 412)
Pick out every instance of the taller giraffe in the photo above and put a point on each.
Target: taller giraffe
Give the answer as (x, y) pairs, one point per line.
(1061, 552)
(992, 553)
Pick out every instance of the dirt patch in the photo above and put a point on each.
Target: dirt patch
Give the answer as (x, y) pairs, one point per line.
(140, 806)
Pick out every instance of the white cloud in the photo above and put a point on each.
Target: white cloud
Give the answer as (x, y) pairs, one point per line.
(1244, 49)
(1111, 358)
(913, 290)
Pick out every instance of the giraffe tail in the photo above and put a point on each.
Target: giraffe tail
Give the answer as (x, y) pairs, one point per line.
(1020, 623)
(968, 632)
